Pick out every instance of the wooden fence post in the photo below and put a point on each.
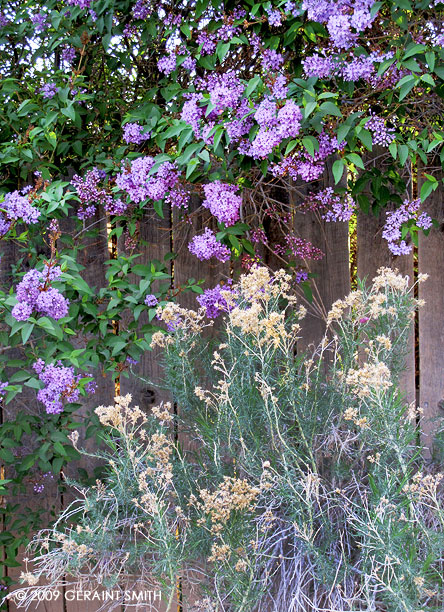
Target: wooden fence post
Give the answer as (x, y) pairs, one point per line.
(431, 317)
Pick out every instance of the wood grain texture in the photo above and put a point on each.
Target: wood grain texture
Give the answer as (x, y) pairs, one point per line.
(48, 503)
(331, 273)
(373, 253)
(92, 257)
(155, 237)
(431, 318)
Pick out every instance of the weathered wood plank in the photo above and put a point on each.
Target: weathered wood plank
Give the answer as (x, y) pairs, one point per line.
(155, 237)
(431, 318)
(331, 273)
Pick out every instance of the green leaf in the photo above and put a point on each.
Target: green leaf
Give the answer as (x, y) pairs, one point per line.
(427, 189)
(158, 207)
(69, 112)
(252, 84)
(413, 49)
(328, 108)
(356, 159)
(338, 170)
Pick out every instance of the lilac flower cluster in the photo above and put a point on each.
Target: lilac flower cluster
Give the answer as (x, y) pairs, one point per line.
(83, 4)
(48, 90)
(4, 21)
(40, 21)
(392, 229)
(222, 201)
(137, 182)
(341, 18)
(274, 126)
(142, 9)
(274, 17)
(34, 292)
(208, 42)
(16, 206)
(189, 63)
(3, 386)
(90, 194)
(332, 206)
(381, 134)
(68, 54)
(225, 90)
(39, 486)
(350, 68)
(206, 246)
(192, 113)
(241, 123)
(213, 301)
(134, 133)
(167, 64)
(304, 166)
(151, 300)
(298, 247)
(61, 385)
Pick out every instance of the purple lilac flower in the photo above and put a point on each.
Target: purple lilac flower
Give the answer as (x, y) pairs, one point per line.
(239, 13)
(3, 386)
(265, 114)
(48, 90)
(192, 113)
(39, 487)
(19, 207)
(90, 194)
(4, 21)
(318, 66)
(332, 206)
(151, 300)
(68, 54)
(130, 30)
(213, 302)
(301, 276)
(227, 32)
(40, 20)
(142, 9)
(222, 201)
(61, 385)
(167, 64)
(83, 4)
(279, 88)
(242, 122)
(189, 63)
(274, 17)
(225, 90)
(206, 246)
(395, 219)
(208, 43)
(340, 33)
(134, 133)
(35, 293)
(140, 185)
(134, 180)
(52, 304)
(91, 387)
(5, 225)
(131, 361)
(381, 134)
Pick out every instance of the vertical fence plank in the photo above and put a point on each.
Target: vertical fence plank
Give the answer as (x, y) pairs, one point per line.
(92, 257)
(155, 236)
(48, 502)
(372, 253)
(188, 266)
(332, 273)
(431, 318)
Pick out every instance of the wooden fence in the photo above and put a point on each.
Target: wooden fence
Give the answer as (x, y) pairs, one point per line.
(424, 378)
